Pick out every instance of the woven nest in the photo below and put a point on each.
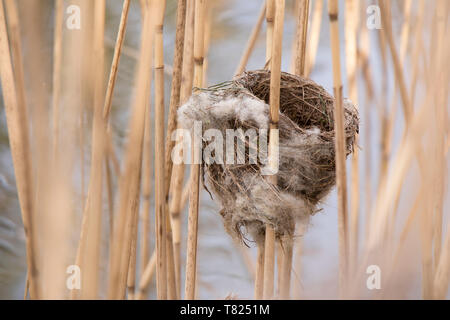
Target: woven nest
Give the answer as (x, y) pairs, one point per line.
(306, 171)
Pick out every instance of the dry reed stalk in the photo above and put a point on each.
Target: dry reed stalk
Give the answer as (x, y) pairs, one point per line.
(363, 60)
(311, 51)
(441, 99)
(267, 247)
(109, 186)
(133, 53)
(57, 59)
(299, 58)
(56, 192)
(146, 277)
(116, 58)
(131, 277)
(270, 16)
(100, 127)
(314, 34)
(442, 273)
(351, 52)
(191, 256)
(177, 204)
(417, 50)
(130, 178)
(386, 195)
(147, 176)
(146, 191)
(387, 31)
(174, 104)
(17, 123)
(276, 42)
(341, 177)
(251, 41)
(404, 38)
(90, 261)
(400, 165)
(300, 39)
(286, 266)
(438, 58)
(259, 274)
(390, 121)
(160, 217)
(206, 41)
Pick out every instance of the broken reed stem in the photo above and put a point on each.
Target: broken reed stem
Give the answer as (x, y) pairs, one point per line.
(17, 123)
(172, 123)
(340, 146)
(191, 258)
(130, 178)
(160, 218)
(116, 58)
(314, 34)
(301, 35)
(275, 78)
(251, 41)
(351, 51)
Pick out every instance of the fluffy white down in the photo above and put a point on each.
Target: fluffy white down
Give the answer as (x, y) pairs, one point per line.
(209, 107)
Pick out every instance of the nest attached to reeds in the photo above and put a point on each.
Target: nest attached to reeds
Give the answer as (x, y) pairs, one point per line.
(306, 150)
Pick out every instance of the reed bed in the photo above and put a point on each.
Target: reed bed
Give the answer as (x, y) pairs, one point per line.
(60, 93)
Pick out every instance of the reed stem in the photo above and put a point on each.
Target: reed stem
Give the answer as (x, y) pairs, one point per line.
(191, 258)
(340, 146)
(17, 123)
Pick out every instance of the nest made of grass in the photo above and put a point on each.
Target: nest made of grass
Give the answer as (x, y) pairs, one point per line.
(306, 147)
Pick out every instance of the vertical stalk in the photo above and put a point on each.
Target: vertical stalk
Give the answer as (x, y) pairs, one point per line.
(300, 41)
(130, 178)
(259, 277)
(177, 178)
(17, 122)
(191, 259)
(116, 57)
(174, 104)
(351, 51)
(160, 217)
(146, 191)
(57, 59)
(274, 100)
(91, 260)
(339, 145)
(313, 42)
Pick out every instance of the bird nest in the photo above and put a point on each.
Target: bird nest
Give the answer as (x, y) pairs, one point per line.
(306, 167)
